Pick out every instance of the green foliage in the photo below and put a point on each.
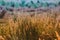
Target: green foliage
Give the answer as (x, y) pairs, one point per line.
(59, 3)
(22, 4)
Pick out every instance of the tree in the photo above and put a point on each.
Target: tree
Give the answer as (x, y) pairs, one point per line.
(27, 5)
(59, 3)
(22, 4)
(51, 5)
(12, 4)
(3, 3)
(33, 4)
(38, 1)
(47, 4)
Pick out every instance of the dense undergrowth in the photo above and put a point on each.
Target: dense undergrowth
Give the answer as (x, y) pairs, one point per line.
(31, 27)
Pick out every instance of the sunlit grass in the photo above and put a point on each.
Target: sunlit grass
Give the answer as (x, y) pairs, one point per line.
(26, 27)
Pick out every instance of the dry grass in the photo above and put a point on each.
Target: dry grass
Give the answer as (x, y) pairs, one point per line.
(26, 27)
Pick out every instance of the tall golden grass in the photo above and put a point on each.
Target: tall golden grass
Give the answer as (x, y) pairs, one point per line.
(44, 26)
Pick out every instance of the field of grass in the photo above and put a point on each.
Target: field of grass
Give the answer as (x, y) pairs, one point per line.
(30, 26)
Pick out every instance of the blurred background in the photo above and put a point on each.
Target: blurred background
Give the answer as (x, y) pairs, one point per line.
(29, 3)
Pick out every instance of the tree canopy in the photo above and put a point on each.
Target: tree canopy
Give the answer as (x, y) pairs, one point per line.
(30, 4)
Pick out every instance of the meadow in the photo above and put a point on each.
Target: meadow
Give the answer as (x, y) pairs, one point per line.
(30, 26)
